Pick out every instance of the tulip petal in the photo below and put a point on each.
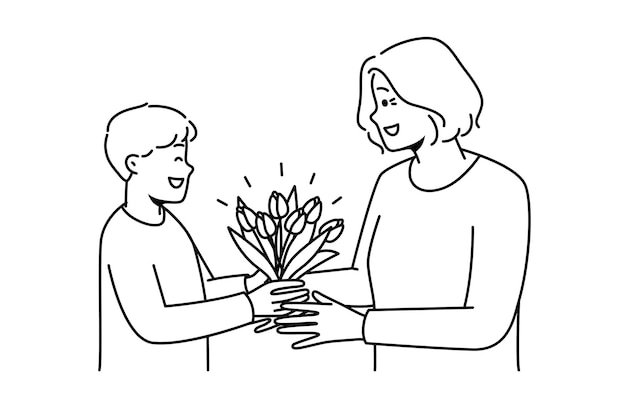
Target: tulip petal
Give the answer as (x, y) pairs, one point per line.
(282, 206)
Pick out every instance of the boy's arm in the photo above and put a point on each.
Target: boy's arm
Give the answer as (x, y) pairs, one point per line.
(218, 287)
(138, 292)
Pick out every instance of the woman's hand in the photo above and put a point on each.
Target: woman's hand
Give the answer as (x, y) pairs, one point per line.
(326, 321)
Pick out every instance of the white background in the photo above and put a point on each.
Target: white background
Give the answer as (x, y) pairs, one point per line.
(267, 82)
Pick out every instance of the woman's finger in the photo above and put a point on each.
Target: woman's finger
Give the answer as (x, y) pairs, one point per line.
(323, 298)
(303, 329)
(291, 320)
(308, 342)
(305, 307)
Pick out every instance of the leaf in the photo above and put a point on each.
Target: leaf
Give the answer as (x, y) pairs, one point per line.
(304, 255)
(265, 248)
(320, 258)
(301, 240)
(292, 200)
(252, 254)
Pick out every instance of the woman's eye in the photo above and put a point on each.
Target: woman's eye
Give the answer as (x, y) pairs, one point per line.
(178, 158)
(385, 102)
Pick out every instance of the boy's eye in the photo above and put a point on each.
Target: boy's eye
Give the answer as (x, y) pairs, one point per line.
(178, 158)
(385, 102)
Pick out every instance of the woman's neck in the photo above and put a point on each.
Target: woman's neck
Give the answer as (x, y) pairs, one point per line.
(439, 165)
(141, 206)
(440, 153)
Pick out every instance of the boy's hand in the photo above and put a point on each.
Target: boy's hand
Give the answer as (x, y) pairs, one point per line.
(255, 280)
(267, 299)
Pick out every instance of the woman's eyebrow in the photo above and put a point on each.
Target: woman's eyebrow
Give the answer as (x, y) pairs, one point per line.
(182, 145)
(382, 88)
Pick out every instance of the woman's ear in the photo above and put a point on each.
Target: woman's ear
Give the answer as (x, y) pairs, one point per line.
(435, 130)
(131, 163)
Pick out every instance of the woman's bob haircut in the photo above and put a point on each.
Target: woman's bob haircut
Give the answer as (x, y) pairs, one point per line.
(426, 73)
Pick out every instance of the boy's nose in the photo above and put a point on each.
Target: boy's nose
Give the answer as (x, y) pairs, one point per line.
(191, 168)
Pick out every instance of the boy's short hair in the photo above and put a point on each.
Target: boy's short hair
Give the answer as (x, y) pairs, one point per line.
(426, 73)
(140, 129)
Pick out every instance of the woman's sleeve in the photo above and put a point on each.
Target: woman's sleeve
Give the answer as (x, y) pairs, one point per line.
(500, 250)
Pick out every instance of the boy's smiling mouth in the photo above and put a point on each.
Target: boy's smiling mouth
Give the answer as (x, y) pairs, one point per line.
(392, 130)
(176, 182)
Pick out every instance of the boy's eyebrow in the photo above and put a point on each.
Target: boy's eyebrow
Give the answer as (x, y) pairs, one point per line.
(179, 144)
(169, 144)
(382, 88)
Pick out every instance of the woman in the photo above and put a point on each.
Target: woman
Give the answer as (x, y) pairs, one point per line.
(445, 240)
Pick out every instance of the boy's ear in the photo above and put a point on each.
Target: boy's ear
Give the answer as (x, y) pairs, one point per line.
(131, 163)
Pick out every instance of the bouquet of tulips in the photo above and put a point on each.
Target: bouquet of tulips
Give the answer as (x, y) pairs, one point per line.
(285, 242)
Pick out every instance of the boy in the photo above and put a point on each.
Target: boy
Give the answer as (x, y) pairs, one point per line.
(169, 303)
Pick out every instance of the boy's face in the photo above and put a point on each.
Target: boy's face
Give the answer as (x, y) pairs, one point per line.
(165, 173)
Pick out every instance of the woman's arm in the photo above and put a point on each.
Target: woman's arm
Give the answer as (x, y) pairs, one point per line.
(351, 285)
(500, 253)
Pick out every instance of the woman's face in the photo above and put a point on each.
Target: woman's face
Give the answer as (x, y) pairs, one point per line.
(400, 125)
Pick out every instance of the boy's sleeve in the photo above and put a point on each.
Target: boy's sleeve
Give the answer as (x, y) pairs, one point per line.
(216, 287)
(138, 292)
(224, 287)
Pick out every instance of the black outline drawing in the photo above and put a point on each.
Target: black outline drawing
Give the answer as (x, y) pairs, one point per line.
(436, 121)
(318, 319)
(122, 150)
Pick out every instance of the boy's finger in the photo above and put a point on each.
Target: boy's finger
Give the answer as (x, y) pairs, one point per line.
(262, 325)
(294, 300)
(281, 298)
(282, 285)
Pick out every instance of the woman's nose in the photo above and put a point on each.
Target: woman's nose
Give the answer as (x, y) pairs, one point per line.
(191, 168)
(374, 116)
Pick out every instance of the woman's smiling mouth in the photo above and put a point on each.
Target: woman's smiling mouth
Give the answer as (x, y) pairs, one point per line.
(392, 130)
(176, 182)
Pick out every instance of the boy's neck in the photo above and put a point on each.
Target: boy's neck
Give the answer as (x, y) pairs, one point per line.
(141, 206)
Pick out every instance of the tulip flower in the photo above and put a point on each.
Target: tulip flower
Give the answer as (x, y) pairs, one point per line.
(313, 210)
(245, 217)
(334, 228)
(243, 220)
(277, 205)
(265, 225)
(295, 222)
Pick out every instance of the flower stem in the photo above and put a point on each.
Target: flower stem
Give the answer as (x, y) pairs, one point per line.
(288, 243)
